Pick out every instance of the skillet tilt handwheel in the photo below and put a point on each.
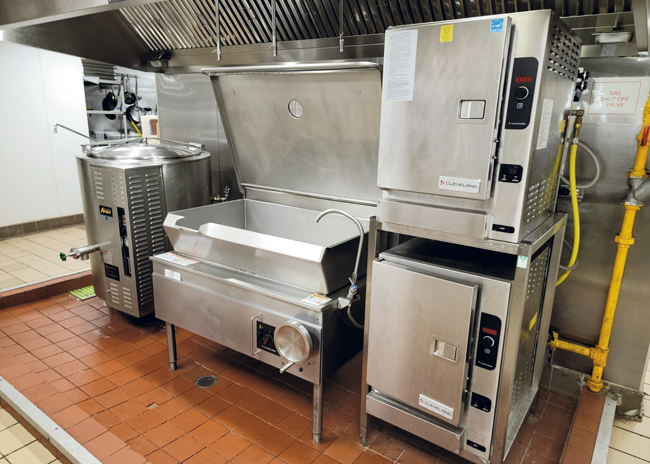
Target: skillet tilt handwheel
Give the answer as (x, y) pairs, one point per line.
(293, 342)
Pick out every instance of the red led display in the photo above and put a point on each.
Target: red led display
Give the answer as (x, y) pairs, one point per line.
(523, 79)
(489, 331)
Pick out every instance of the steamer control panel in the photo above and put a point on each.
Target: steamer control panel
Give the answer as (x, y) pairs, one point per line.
(522, 89)
(488, 342)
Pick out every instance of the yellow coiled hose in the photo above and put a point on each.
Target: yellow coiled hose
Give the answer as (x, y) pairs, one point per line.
(576, 213)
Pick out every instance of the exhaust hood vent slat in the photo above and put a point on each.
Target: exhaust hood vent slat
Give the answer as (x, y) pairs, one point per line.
(188, 24)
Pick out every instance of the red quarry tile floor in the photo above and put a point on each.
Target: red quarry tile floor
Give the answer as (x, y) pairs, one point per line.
(103, 377)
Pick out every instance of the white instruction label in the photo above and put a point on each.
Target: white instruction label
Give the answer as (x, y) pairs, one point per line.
(459, 184)
(522, 261)
(177, 259)
(437, 407)
(545, 124)
(317, 300)
(173, 274)
(399, 65)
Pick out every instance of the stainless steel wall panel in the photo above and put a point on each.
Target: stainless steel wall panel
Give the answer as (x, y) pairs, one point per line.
(188, 112)
(580, 300)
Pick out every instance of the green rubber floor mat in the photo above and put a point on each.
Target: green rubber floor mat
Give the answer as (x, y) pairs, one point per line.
(84, 293)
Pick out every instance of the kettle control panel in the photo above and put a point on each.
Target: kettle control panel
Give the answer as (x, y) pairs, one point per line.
(522, 88)
(265, 338)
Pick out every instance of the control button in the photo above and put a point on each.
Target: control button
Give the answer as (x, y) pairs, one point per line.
(488, 342)
(481, 402)
(521, 92)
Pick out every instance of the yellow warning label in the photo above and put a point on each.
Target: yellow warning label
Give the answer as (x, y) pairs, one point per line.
(533, 321)
(447, 33)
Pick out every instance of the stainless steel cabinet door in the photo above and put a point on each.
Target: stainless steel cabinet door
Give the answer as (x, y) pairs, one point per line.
(442, 140)
(419, 333)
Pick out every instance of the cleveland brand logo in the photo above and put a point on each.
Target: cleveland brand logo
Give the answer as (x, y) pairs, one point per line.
(463, 185)
(459, 184)
(105, 211)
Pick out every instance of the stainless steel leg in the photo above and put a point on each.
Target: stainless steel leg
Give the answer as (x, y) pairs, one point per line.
(317, 426)
(377, 242)
(171, 346)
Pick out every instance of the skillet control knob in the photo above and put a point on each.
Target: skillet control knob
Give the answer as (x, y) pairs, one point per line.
(487, 342)
(521, 92)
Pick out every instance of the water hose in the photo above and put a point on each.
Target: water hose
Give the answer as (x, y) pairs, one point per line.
(576, 213)
(596, 178)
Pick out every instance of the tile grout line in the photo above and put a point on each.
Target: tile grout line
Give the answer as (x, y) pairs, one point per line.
(628, 454)
(631, 431)
(67, 445)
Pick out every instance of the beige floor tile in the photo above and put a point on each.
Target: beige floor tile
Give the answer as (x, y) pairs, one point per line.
(616, 457)
(28, 259)
(37, 238)
(76, 265)
(646, 407)
(14, 267)
(18, 254)
(46, 266)
(29, 275)
(15, 241)
(6, 248)
(13, 438)
(3, 461)
(8, 262)
(647, 377)
(10, 283)
(6, 419)
(5, 276)
(55, 245)
(630, 443)
(640, 428)
(34, 453)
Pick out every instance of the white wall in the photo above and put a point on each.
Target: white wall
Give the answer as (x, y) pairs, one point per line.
(38, 172)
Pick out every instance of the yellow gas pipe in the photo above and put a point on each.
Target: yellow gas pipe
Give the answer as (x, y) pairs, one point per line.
(624, 240)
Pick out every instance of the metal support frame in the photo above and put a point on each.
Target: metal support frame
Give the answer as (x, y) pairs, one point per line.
(377, 242)
(171, 345)
(505, 427)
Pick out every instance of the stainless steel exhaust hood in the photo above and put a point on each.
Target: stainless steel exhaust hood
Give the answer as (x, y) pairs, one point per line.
(180, 35)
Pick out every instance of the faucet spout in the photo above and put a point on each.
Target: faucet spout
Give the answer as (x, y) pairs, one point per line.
(352, 291)
(361, 235)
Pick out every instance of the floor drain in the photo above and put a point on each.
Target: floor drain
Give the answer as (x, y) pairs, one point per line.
(206, 381)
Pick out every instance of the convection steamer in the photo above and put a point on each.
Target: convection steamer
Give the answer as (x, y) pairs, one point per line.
(458, 314)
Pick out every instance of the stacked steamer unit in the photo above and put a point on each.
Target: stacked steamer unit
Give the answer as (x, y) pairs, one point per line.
(267, 275)
(127, 187)
(457, 317)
